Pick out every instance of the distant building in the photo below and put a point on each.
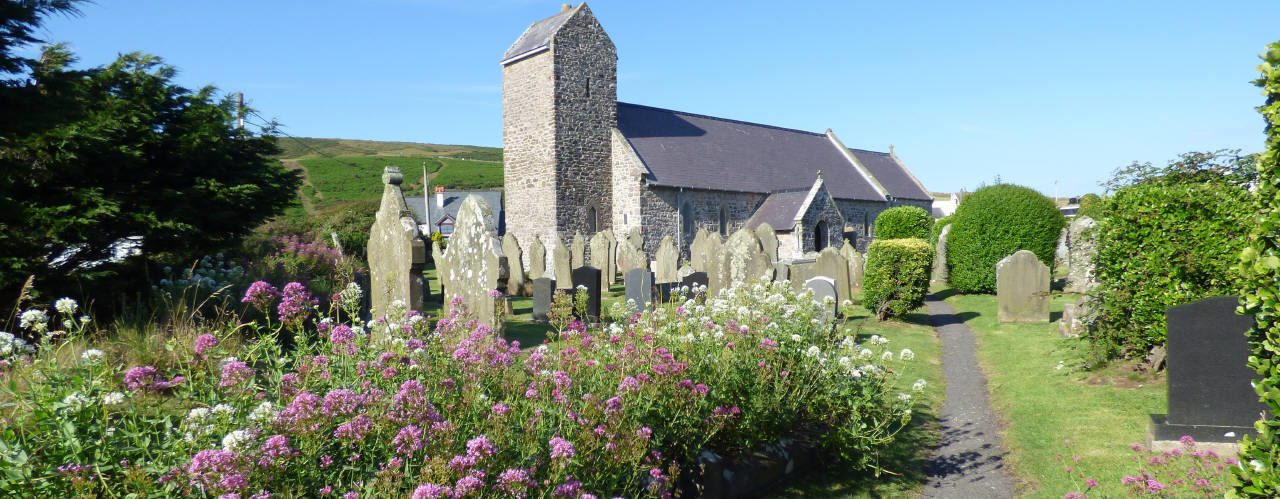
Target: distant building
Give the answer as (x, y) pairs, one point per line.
(947, 207)
(576, 159)
(439, 212)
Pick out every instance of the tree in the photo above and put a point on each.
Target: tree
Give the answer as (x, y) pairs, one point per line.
(1223, 165)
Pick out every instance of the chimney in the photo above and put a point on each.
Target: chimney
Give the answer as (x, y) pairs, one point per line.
(565, 7)
(439, 196)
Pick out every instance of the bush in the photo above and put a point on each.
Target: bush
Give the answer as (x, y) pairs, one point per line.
(1162, 245)
(1091, 205)
(993, 223)
(938, 225)
(897, 276)
(902, 222)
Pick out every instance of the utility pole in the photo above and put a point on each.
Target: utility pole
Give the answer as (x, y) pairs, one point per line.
(240, 110)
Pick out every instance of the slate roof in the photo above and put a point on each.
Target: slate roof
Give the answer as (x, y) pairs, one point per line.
(891, 175)
(779, 210)
(691, 150)
(538, 35)
(453, 201)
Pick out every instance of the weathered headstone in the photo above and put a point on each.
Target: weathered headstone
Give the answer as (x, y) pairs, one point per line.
(856, 266)
(543, 290)
(1071, 324)
(561, 265)
(768, 240)
(683, 271)
(639, 284)
(578, 251)
(744, 260)
(631, 255)
(800, 270)
(1062, 251)
(537, 259)
(397, 252)
(515, 267)
(1082, 241)
(824, 288)
(940, 272)
(611, 271)
(589, 278)
(830, 264)
(704, 252)
(1211, 397)
(782, 271)
(473, 261)
(602, 257)
(1022, 288)
(665, 269)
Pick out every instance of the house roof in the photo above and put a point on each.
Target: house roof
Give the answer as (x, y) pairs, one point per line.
(538, 35)
(892, 175)
(691, 150)
(453, 201)
(779, 210)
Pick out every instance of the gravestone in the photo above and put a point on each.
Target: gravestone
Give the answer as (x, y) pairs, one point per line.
(824, 288)
(543, 290)
(639, 284)
(631, 256)
(744, 260)
(1082, 243)
(473, 262)
(665, 263)
(515, 265)
(1062, 251)
(611, 271)
(577, 251)
(397, 252)
(830, 264)
(856, 266)
(695, 281)
(782, 271)
(602, 257)
(800, 270)
(1071, 324)
(1209, 381)
(561, 269)
(704, 252)
(589, 278)
(537, 259)
(940, 272)
(1022, 288)
(768, 240)
(684, 271)
(437, 256)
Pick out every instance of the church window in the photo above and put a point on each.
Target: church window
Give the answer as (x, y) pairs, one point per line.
(820, 232)
(588, 86)
(686, 221)
(724, 220)
(591, 220)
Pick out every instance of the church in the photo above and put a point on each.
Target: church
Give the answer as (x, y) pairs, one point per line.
(577, 160)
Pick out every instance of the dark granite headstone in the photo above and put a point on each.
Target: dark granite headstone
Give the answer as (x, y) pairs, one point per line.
(543, 290)
(639, 283)
(665, 289)
(696, 279)
(1209, 383)
(589, 278)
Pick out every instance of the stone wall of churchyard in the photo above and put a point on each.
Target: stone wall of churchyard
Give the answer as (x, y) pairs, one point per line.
(661, 216)
(528, 142)
(628, 174)
(861, 216)
(586, 98)
(821, 209)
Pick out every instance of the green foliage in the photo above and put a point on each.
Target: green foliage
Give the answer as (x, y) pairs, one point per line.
(1259, 475)
(1162, 245)
(902, 222)
(1091, 205)
(19, 20)
(461, 174)
(994, 222)
(897, 276)
(938, 225)
(1222, 166)
(359, 178)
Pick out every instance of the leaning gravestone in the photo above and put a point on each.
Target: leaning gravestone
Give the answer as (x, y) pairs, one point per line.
(665, 263)
(537, 259)
(473, 261)
(1082, 241)
(830, 264)
(561, 265)
(588, 278)
(397, 252)
(856, 267)
(515, 265)
(1211, 397)
(1022, 288)
(940, 257)
(602, 257)
(577, 251)
(768, 240)
(683, 271)
(639, 284)
(823, 288)
(543, 290)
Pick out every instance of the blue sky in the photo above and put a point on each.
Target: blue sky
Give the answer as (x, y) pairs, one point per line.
(1053, 95)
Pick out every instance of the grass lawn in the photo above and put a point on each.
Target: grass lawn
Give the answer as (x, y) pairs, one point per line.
(358, 178)
(1043, 404)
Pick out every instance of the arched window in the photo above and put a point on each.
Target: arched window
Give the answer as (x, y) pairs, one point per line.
(724, 220)
(820, 232)
(592, 220)
(686, 221)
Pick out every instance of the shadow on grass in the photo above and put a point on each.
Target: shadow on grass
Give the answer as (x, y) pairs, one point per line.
(943, 294)
(527, 333)
(923, 319)
(1055, 316)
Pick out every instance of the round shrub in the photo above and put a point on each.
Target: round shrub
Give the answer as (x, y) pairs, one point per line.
(897, 276)
(902, 222)
(1162, 245)
(1091, 206)
(994, 222)
(938, 225)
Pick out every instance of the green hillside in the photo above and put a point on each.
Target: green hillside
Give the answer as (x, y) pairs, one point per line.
(357, 178)
(307, 147)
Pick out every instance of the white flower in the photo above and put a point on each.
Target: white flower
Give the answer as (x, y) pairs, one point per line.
(855, 373)
(92, 355)
(223, 410)
(65, 306)
(76, 401)
(846, 362)
(264, 413)
(887, 355)
(813, 351)
(35, 320)
(198, 414)
(906, 354)
(918, 386)
(1257, 465)
(1061, 364)
(865, 354)
(905, 397)
(236, 441)
(879, 340)
(113, 398)
(795, 337)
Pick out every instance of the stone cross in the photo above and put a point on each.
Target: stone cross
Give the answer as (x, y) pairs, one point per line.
(1022, 288)
(1082, 244)
(940, 271)
(397, 252)
(577, 251)
(473, 262)
(515, 271)
(602, 257)
(561, 265)
(830, 264)
(768, 240)
(665, 264)
(537, 259)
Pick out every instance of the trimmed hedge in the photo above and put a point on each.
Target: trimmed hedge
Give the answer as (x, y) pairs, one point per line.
(902, 222)
(1162, 245)
(938, 225)
(897, 276)
(994, 222)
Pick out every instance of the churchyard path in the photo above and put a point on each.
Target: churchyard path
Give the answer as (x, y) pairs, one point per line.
(969, 461)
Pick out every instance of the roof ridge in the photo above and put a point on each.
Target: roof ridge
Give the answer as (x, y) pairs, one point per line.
(717, 118)
(867, 150)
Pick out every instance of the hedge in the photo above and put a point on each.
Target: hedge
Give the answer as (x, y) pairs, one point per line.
(938, 225)
(994, 222)
(902, 222)
(1162, 245)
(897, 276)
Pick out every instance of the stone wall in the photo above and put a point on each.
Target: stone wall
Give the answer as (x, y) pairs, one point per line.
(660, 213)
(528, 145)
(860, 215)
(822, 208)
(628, 181)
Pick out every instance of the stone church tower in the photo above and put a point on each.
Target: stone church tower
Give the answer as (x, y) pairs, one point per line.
(559, 107)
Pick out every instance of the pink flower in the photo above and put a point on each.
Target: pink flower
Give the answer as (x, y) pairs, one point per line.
(431, 491)
(217, 470)
(570, 488)
(629, 384)
(560, 448)
(260, 295)
(481, 447)
(501, 409)
(204, 343)
(493, 293)
(275, 450)
(343, 339)
(141, 378)
(295, 303)
(469, 484)
(408, 440)
(235, 373)
(1091, 483)
(354, 429)
(514, 482)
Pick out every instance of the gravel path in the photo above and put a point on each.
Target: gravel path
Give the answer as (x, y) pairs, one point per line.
(969, 463)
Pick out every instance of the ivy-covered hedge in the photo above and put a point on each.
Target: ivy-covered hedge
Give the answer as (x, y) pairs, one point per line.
(994, 222)
(902, 222)
(936, 232)
(1162, 245)
(897, 276)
